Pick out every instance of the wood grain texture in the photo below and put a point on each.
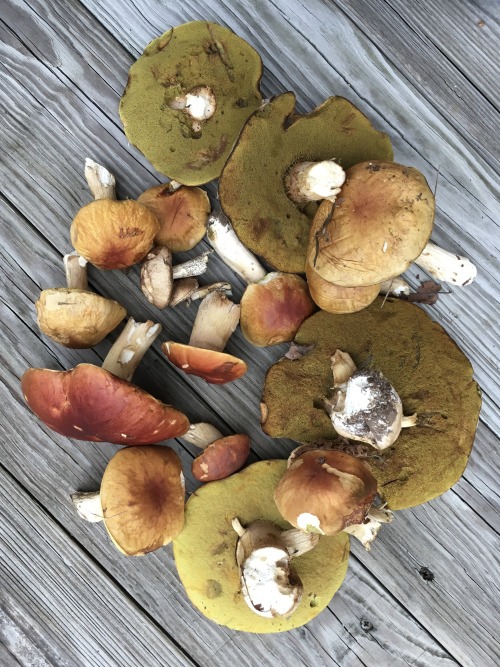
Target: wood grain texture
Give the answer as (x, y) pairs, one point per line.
(62, 74)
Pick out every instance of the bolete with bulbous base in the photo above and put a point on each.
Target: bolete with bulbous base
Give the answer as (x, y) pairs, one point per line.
(426, 368)
(205, 552)
(187, 98)
(256, 190)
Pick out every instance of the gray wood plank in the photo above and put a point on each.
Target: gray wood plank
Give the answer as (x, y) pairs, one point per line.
(80, 465)
(59, 608)
(7, 659)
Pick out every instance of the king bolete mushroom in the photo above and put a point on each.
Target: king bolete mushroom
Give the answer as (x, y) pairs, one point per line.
(430, 374)
(262, 188)
(141, 500)
(99, 403)
(73, 316)
(206, 557)
(111, 234)
(187, 98)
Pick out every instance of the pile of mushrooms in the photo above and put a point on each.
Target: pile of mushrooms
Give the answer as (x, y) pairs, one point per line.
(366, 394)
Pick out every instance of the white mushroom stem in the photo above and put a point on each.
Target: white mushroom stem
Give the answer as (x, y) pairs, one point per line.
(298, 542)
(193, 267)
(202, 434)
(215, 321)
(366, 532)
(76, 271)
(395, 287)
(446, 267)
(269, 585)
(227, 245)
(101, 182)
(88, 505)
(129, 348)
(313, 181)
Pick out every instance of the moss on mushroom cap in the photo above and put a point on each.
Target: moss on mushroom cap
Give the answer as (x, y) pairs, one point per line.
(427, 369)
(186, 58)
(252, 186)
(205, 552)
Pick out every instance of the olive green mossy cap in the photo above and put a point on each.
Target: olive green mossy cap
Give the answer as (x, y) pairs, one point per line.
(190, 57)
(426, 368)
(252, 186)
(205, 552)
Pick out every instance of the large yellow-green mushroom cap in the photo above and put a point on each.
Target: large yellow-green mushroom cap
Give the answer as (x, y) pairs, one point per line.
(185, 59)
(426, 368)
(252, 188)
(205, 552)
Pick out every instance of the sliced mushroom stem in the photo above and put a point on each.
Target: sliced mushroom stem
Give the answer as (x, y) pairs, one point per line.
(193, 267)
(227, 245)
(215, 321)
(183, 289)
(202, 434)
(397, 287)
(313, 181)
(409, 420)
(200, 293)
(298, 542)
(75, 267)
(88, 505)
(156, 276)
(101, 182)
(269, 584)
(129, 348)
(367, 532)
(445, 266)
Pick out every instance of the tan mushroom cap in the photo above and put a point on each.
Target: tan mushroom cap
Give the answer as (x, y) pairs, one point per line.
(221, 458)
(273, 309)
(205, 552)
(89, 403)
(379, 224)
(214, 367)
(77, 318)
(142, 498)
(182, 214)
(336, 299)
(113, 234)
(325, 491)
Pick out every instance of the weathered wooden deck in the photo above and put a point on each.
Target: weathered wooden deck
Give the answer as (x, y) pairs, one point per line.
(425, 72)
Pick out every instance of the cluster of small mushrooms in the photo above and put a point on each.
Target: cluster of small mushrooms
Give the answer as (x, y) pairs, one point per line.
(319, 198)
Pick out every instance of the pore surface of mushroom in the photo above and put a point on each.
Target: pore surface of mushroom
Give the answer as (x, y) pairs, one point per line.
(141, 500)
(254, 191)
(99, 403)
(426, 368)
(197, 84)
(205, 552)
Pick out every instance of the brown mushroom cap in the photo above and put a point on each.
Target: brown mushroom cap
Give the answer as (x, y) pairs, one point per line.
(273, 309)
(182, 214)
(214, 367)
(77, 318)
(252, 188)
(325, 491)
(379, 224)
(142, 498)
(336, 299)
(89, 403)
(429, 372)
(113, 234)
(221, 458)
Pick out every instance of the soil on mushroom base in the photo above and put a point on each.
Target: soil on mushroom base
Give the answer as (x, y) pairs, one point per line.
(427, 369)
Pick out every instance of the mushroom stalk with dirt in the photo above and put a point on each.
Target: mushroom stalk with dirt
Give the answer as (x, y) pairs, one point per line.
(216, 320)
(99, 403)
(269, 584)
(141, 499)
(364, 405)
(445, 266)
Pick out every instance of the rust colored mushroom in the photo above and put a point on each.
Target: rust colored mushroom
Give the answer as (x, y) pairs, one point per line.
(221, 456)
